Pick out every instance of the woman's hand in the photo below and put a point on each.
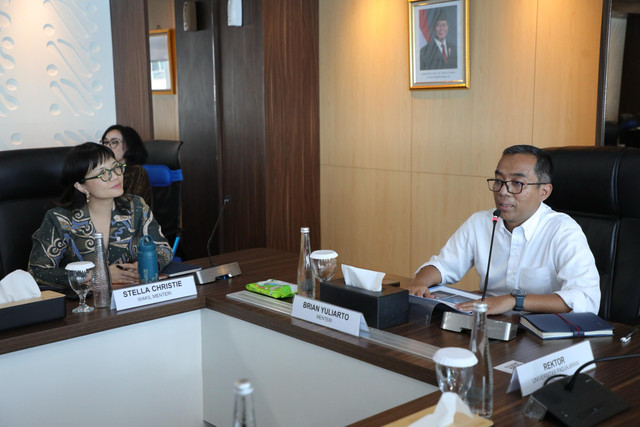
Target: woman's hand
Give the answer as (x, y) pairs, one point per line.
(124, 273)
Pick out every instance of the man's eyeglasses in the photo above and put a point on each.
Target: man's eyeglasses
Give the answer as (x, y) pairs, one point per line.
(105, 174)
(513, 187)
(112, 143)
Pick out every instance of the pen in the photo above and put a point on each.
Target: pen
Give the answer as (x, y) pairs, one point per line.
(120, 267)
(175, 245)
(627, 337)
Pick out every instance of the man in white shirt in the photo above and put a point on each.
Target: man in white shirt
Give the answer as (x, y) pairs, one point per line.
(541, 260)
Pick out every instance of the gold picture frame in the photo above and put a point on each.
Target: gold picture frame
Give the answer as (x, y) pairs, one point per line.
(439, 44)
(163, 63)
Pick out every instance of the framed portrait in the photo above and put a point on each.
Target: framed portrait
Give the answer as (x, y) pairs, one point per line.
(439, 44)
(162, 56)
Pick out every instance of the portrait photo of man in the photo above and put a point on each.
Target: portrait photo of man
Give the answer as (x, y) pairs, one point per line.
(440, 51)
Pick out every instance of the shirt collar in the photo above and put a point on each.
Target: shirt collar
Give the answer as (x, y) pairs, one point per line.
(530, 225)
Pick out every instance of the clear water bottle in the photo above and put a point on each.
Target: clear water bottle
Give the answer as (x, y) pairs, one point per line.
(306, 283)
(147, 260)
(243, 413)
(101, 278)
(480, 396)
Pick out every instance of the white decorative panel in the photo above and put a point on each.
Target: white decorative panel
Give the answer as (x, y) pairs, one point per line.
(56, 72)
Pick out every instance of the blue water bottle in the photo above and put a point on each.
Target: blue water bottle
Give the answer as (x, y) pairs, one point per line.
(147, 260)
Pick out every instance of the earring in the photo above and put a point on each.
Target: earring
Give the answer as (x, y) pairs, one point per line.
(88, 197)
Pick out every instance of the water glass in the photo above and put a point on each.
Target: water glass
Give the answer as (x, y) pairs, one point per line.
(80, 275)
(454, 370)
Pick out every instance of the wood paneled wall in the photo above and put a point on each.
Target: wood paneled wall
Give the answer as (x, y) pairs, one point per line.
(292, 122)
(400, 169)
(248, 107)
(132, 80)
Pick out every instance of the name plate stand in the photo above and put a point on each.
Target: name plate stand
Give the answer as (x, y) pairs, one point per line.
(328, 315)
(531, 376)
(152, 293)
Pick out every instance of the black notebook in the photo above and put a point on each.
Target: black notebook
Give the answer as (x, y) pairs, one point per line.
(179, 269)
(566, 325)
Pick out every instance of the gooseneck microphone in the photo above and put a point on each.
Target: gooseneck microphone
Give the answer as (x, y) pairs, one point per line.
(496, 215)
(226, 200)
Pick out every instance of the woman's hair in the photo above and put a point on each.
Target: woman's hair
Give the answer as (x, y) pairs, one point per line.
(78, 161)
(136, 153)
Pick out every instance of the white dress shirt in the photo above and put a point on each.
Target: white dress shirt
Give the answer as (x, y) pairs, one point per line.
(546, 254)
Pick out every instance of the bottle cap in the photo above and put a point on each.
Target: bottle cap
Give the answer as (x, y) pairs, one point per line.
(79, 266)
(455, 357)
(304, 229)
(324, 254)
(480, 307)
(243, 387)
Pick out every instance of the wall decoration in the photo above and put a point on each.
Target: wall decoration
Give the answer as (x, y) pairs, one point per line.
(439, 44)
(56, 73)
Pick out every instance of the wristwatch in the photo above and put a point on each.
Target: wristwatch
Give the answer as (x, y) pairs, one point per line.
(519, 295)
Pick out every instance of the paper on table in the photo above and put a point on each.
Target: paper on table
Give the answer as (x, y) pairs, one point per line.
(448, 405)
(17, 286)
(361, 278)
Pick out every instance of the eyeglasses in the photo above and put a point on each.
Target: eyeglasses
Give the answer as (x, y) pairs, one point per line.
(112, 143)
(105, 174)
(513, 187)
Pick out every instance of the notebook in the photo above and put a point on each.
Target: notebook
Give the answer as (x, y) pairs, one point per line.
(179, 269)
(566, 325)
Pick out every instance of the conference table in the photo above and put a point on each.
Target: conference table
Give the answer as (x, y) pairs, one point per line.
(365, 381)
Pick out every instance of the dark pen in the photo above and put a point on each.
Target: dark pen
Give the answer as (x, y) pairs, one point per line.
(119, 266)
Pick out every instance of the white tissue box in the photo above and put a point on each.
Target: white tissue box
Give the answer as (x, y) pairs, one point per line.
(51, 305)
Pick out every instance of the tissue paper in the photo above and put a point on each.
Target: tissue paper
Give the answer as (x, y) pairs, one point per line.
(361, 278)
(445, 411)
(17, 286)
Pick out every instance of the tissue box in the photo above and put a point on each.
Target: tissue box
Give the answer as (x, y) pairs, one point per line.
(51, 305)
(383, 309)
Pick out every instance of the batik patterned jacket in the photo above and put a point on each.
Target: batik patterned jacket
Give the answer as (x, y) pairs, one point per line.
(66, 236)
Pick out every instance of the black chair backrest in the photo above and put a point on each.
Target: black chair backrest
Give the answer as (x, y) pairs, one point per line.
(599, 188)
(30, 181)
(167, 200)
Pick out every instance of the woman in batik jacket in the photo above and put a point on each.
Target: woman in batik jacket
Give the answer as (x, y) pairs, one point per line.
(93, 201)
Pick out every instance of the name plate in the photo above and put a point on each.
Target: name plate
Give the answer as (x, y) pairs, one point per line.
(152, 293)
(531, 376)
(329, 315)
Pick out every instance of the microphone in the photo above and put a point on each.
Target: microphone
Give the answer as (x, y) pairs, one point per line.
(577, 400)
(496, 215)
(226, 200)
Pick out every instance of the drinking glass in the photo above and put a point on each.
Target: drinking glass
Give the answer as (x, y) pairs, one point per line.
(324, 264)
(80, 275)
(454, 370)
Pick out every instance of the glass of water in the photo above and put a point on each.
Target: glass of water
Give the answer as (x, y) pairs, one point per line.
(454, 370)
(324, 264)
(80, 275)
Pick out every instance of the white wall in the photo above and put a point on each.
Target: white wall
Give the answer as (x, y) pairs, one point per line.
(147, 374)
(56, 72)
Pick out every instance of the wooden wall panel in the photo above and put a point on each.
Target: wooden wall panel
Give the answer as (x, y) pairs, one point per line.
(568, 44)
(365, 101)
(292, 173)
(201, 197)
(455, 136)
(374, 211)
(242, 110)
(132, 77)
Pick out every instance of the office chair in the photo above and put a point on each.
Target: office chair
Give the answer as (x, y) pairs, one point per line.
(165, 174)
(30, 181)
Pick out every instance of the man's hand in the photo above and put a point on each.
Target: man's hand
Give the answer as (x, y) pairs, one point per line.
(495, 305)
(545, 303)
(427, 276)
(419, 288)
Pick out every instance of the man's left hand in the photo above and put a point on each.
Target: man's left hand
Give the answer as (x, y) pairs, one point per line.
(495, 305)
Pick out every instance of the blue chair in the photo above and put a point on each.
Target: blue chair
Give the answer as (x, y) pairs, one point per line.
(165, 174)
